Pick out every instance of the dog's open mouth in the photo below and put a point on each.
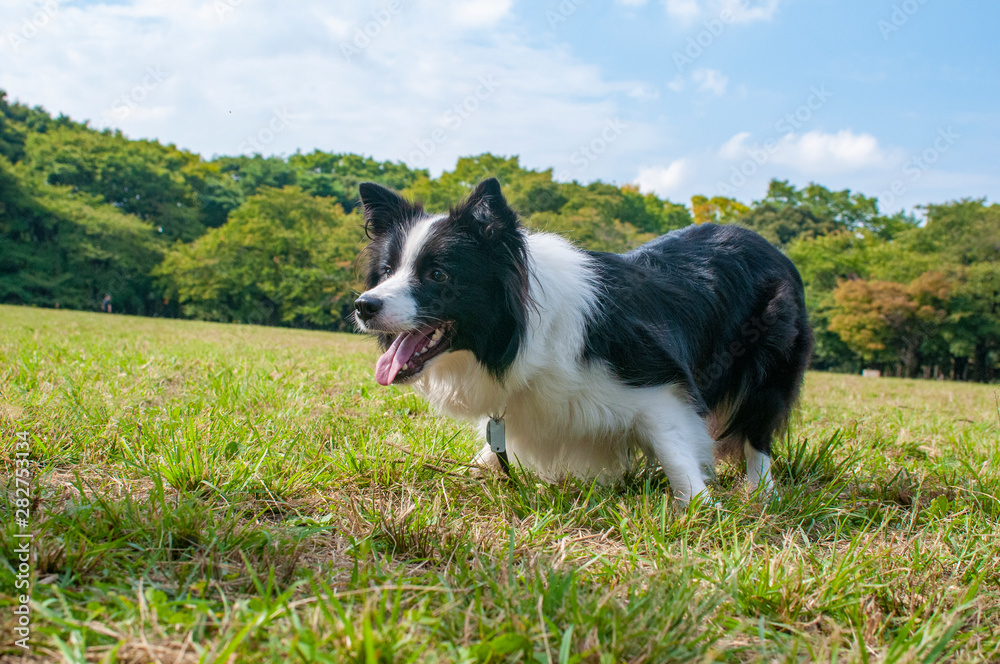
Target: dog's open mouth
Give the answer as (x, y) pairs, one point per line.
(411, 351)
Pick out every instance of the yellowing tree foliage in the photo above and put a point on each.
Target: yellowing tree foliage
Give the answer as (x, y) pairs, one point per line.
(873, 317)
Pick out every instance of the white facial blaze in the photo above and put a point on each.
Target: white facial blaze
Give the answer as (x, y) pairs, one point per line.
(399, 308)
(415, 241)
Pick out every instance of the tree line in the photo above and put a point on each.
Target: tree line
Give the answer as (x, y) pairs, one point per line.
(273, 241)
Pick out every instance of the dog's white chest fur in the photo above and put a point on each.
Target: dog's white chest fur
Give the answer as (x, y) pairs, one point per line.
(565, 415)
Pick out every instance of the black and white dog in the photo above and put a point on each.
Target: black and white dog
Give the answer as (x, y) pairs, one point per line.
(690, 347)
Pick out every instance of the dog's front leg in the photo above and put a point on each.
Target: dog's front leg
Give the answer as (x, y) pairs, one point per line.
(683, 446)
(682, 469)
(487, 460)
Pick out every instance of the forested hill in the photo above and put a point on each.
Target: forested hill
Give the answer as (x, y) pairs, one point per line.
(273, 241)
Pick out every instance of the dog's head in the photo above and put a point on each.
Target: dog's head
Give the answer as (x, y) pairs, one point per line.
(442, 283)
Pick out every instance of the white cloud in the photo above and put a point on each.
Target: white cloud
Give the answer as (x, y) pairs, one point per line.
(817, 152)
(740, 11)
(812, 153)
(684, 10)
(710, 80)
(664, 181)
(401, 87)
(644, 92)
(480, 13)
(745, 11)
(735, 147)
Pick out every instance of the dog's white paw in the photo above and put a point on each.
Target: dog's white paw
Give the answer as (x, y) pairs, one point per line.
(701, 500)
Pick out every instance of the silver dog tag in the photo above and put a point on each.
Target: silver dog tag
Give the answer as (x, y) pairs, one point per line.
(496, 435)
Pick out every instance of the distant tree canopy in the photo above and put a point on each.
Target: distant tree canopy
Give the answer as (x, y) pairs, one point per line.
(64, 249)
(909, 299)
(273, 240)
(283, 258)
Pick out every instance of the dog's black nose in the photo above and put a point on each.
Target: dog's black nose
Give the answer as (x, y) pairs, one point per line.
(367, 306)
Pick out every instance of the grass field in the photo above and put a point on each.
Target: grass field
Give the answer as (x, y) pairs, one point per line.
(225, 493)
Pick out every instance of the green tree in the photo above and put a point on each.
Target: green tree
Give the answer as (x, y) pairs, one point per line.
(972, 330)
(965, 232)
(786, 214)
(586, 228)
(717, 210)
(11, 131)
(452, 186)
(337, 176)
(142, 178)
(781, 225)
(597, 216)
(837, 209)
(65, 249)
(283, 258)
(17, 121)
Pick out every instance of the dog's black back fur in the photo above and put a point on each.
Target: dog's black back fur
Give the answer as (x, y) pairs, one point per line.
(716, 309)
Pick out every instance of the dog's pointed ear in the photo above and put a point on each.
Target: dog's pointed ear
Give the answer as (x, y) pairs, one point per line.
(383, 208)
(487, 209)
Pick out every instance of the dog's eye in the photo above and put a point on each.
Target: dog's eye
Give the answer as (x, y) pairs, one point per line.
(386, 270)
(439, 276)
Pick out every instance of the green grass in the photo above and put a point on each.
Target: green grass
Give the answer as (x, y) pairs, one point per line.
(226, 493)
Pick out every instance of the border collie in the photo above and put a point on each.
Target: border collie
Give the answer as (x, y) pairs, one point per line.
(691, 347)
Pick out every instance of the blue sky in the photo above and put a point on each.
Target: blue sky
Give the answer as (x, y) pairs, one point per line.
(897, 98)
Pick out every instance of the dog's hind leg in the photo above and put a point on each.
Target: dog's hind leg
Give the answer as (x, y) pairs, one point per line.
(767, 406)
(758, 467)
(759, 418)
(735, 449)
(763, 414)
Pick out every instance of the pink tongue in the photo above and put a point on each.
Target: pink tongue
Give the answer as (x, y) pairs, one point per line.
(399, 353)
